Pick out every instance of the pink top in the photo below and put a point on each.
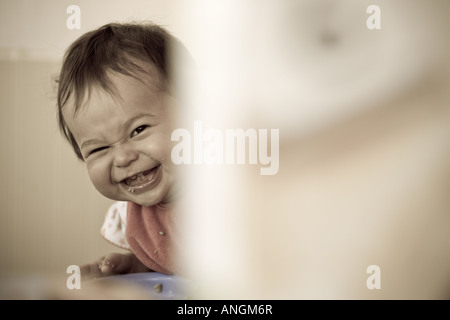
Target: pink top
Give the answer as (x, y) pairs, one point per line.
(150, 233)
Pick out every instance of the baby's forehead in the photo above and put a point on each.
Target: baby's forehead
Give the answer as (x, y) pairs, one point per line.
(121, 88)
(149, 79)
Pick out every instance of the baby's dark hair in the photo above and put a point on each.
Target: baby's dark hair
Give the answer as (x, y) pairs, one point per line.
(119, 47)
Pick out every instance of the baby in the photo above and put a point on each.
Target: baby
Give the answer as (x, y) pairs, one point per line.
(117, 108)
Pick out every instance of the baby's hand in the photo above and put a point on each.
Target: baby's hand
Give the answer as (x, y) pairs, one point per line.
(112, 264)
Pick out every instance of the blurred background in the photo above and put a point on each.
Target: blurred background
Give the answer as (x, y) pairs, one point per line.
(364, 120)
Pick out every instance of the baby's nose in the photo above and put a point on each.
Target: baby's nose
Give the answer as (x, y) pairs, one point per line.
(124, 155)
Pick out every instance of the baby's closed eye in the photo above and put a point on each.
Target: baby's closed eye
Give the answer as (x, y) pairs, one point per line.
(97, 150)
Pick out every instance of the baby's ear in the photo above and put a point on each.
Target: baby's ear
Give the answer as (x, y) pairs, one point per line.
(54, 83)
(55, 78)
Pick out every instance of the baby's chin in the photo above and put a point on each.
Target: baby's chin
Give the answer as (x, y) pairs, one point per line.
(145, 203)
(141, 199)
(138, 200)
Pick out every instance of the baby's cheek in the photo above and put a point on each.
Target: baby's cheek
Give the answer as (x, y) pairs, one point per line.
(158, 148)
(100, 178)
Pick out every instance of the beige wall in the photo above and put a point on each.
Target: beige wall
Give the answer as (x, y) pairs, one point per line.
(50, 213)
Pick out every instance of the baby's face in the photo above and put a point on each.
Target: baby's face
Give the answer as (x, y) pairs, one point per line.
(125, 140)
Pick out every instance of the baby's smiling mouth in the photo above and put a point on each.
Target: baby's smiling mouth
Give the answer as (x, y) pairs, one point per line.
(140, 180)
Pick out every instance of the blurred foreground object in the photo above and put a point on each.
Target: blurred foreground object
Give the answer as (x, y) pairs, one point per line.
(364, 175)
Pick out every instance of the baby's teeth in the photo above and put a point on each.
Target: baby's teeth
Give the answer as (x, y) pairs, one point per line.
(138, 181)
